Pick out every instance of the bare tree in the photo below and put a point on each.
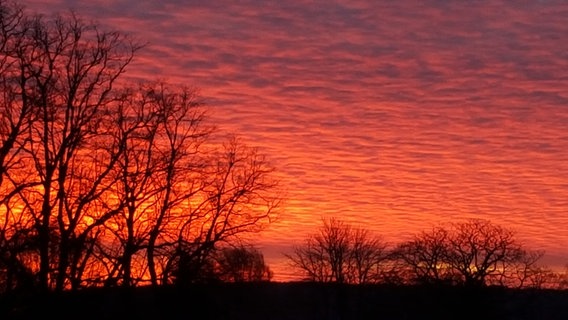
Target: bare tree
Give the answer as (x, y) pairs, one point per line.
(57, 86)
(134, 188)
(368, 257)
(424, 255)
(239, 196)
(106, 185)
(181, 165)
(474, 253)
(323, 256)
(16, 116)
(479, 249)
(162, 132)
(525, 272)
(16, 109)
(340, 253)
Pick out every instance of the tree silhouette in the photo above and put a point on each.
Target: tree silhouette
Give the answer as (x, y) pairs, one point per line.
(368, 257)
(473, 253)
(424, 256)
(340, 253)
(103, 184)
(237, 197)
(58, 76)
(479, 249)
(160, 132)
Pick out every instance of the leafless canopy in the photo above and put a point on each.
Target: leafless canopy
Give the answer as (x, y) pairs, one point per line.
(102, 184)
(340, 253)
(475, 252)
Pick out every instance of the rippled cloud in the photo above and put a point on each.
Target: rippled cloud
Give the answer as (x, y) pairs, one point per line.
(392, 115)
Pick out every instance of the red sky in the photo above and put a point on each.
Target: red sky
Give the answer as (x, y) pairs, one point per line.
(393, 115)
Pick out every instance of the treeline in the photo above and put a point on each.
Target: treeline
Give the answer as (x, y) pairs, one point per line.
(104, 183)
(472, 253)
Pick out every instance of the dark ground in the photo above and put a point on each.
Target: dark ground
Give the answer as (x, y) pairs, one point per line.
(290, 301)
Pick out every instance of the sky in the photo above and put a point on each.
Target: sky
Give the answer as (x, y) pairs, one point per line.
(394, 116)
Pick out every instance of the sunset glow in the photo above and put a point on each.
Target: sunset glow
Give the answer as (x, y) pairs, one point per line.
(394, 116)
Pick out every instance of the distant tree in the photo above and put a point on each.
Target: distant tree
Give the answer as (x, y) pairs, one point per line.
(340, 253)
(368, 257)
(241, 264)
(473, 253)
(323, 256)
(423, 257)
(560, 279)
(478, 249)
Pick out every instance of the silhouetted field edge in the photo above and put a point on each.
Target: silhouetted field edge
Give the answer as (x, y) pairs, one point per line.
(290, 300)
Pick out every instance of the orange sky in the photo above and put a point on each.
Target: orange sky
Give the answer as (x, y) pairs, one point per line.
(393, 115)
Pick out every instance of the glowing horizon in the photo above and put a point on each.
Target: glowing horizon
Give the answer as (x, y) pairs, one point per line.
(392, 116)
